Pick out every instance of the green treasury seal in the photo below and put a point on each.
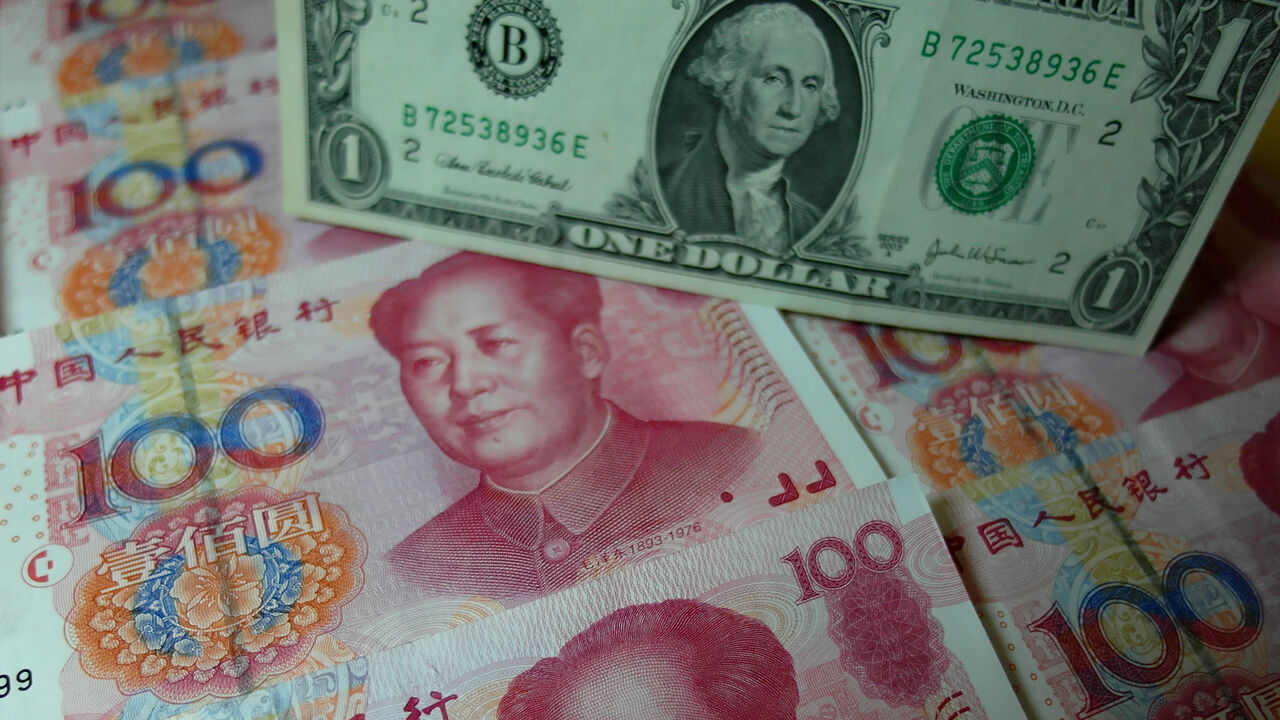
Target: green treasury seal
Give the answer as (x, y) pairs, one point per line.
(514, 46)
(985, 163)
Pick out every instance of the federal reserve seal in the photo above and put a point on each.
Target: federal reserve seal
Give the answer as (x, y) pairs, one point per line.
(514, 46)
(985, 163)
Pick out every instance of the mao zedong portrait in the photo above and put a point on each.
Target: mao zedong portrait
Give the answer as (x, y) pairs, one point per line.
(671, 660)
(502, 363)
(769, 70)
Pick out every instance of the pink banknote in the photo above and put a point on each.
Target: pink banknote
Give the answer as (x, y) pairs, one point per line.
(1135, 577)
(851, 609)
(224, 490)
(152, 191)
(956, 408)
(71, 51)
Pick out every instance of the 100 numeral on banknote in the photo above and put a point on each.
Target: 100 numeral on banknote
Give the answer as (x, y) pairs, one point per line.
(1051, 180)
(1134, 576)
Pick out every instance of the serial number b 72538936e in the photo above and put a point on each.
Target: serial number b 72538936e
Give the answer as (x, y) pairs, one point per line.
(482, 127)
(1014, 58)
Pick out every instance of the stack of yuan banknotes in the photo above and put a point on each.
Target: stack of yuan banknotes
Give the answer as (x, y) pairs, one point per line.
(554, 360)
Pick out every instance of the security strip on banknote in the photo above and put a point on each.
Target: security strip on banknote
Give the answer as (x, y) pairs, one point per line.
(228, 490)
(1032, 170)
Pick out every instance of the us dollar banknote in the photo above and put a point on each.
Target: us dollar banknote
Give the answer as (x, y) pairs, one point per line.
(1036, 170)
(224, 491)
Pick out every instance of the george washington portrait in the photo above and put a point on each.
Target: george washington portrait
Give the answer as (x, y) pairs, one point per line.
(757, 127)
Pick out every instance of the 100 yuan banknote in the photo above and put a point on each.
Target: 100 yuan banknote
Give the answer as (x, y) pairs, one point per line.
(73, 50)
(1135, 577)
(219, 491)
(848, 610)
(956, 409)
(158, 188)
(1033, 170)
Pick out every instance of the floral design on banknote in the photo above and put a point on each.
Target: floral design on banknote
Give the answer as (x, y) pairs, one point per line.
(887, 638)
(200, 250)
(145, 49)
(217, 596)
(985, 423)
(1222, 694)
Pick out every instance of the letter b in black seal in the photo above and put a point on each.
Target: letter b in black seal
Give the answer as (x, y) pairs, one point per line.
(515, 46)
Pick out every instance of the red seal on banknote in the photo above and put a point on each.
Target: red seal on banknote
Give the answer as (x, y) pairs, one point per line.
(1202, 695)
(1260, 464)
(216, 597)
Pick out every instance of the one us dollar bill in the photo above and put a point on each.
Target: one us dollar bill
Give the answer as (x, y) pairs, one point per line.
(1043, 170)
